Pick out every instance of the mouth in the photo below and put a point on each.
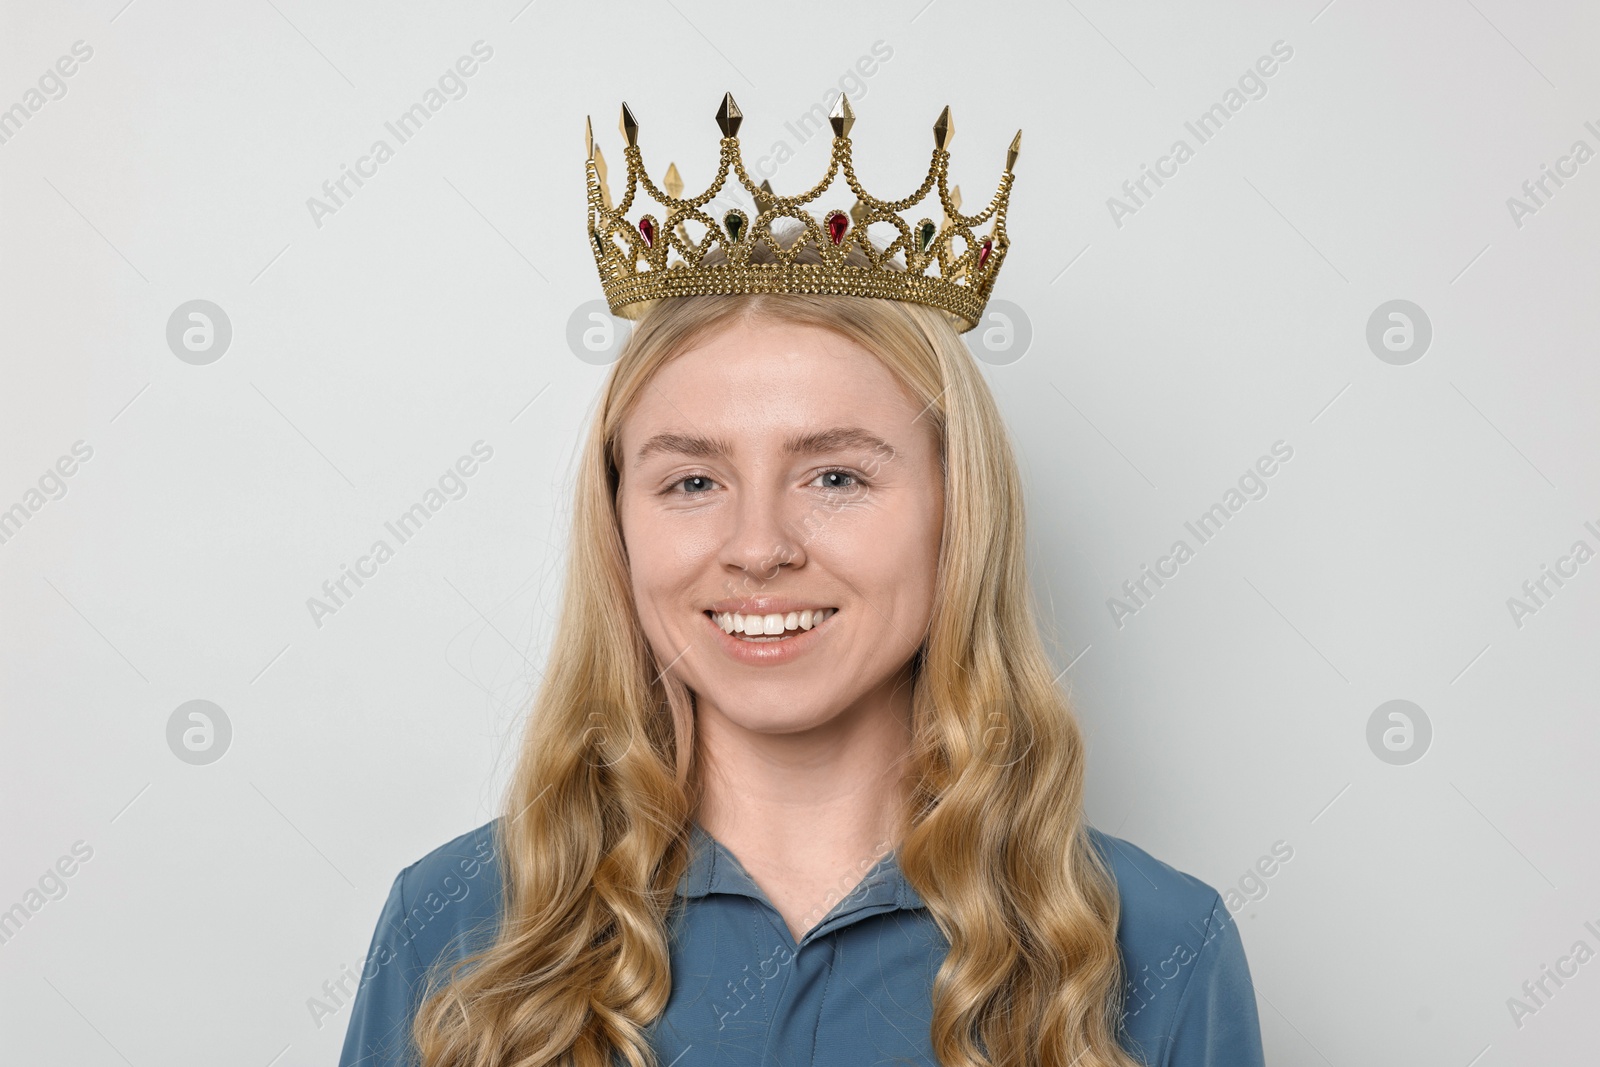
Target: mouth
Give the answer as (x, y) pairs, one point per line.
(769, 629)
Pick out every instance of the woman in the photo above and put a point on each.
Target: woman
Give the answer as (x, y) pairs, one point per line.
(799, 787)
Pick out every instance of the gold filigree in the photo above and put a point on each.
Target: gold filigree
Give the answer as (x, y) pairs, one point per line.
(650, 258)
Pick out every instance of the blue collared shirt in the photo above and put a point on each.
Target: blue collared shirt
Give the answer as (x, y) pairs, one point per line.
(855, 990)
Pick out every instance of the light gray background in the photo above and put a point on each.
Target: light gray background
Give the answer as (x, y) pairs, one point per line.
(1168, 353)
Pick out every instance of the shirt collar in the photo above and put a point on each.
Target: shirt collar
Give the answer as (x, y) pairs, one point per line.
(714, 869)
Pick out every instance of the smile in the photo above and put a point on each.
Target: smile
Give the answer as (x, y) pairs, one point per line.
(762, 629)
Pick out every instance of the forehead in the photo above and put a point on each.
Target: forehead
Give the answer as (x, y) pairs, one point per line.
(760, 380)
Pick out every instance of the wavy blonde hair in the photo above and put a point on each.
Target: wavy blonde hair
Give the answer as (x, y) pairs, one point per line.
(595, 831)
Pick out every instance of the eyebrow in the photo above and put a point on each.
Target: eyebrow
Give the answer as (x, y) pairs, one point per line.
(807, 444)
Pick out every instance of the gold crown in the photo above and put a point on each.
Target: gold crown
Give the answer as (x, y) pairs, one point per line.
(637, 270)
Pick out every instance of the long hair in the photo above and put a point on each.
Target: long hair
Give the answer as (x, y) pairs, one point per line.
(595, 829)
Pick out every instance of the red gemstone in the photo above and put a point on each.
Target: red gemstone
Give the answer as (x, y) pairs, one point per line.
(647, 230)
(837, 224)
(984, 250)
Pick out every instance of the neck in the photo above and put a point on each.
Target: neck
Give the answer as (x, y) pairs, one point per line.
(814, 803)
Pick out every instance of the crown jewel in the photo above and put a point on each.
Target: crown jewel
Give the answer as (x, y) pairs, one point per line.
(920, 262)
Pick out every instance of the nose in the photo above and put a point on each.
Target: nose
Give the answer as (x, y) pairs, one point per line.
(762, 539)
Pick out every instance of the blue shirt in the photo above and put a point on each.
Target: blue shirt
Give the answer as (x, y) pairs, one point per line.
(856, 989)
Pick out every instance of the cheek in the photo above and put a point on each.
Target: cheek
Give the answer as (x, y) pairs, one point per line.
(644, 545)
(918, 522)
(892, 547)
(929, 536)
(917, 555)
(666, 551)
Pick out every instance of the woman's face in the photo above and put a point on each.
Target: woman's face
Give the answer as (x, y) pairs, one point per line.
(771, 473)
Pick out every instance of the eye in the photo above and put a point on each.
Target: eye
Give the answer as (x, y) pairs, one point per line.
(695, 484)
(837, 479)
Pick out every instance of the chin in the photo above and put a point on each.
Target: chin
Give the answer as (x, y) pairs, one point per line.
(771, 710)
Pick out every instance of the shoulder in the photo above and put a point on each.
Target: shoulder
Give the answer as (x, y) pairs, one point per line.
(460, 855)
(1155, 897)
(440, 909)
(450, 894)
(1188, 996)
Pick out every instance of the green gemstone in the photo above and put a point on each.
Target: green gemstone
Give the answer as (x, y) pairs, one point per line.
(925, 235)
(599, 245)
(734, 223)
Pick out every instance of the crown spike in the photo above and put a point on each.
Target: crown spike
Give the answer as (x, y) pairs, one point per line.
(729, 116)
(599, 160)
(944, 128)
(588, 136)
(672, 181)
(1011, 153)
(630, 126)
(842, 117)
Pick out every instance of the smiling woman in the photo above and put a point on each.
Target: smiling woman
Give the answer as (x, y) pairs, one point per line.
(754, 430)
(799, 786)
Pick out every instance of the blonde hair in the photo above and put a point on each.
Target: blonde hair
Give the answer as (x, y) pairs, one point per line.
(594, 837)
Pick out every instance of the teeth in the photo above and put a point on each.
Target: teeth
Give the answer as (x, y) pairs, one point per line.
(773, 625)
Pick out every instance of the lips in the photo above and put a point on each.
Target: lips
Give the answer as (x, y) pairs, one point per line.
(764, 650)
